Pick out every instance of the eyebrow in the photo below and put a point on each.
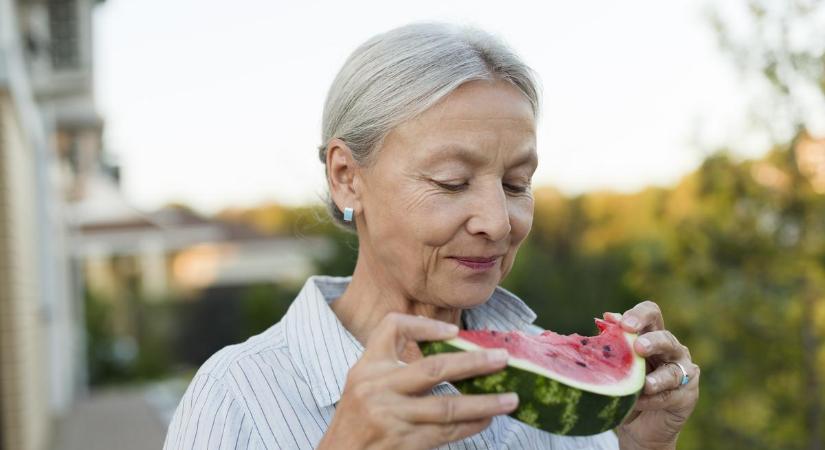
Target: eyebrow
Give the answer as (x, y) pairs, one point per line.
(471, 157)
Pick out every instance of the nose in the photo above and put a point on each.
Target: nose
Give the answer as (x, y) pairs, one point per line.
(490, 215)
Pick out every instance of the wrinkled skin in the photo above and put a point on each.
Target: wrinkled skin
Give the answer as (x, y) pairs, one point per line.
(665, 404)
(411, 225)
(421, 205)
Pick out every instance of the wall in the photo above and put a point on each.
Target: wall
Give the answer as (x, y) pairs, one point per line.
(25, 416)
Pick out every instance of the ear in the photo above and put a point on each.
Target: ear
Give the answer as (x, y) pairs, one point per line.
(343, 176)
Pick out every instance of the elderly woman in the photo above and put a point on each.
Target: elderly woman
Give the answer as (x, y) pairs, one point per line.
(429, 142)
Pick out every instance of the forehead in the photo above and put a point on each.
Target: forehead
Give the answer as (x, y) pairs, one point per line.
(499, 98)
(489, 118)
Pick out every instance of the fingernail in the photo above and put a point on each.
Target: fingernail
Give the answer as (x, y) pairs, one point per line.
(632, 322)
(651, 381)
(644, 343)
(509, 400)
(449, 328)
(497, 356)
(615, 316)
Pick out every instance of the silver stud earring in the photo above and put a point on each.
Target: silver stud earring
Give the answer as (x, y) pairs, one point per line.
(347, 214)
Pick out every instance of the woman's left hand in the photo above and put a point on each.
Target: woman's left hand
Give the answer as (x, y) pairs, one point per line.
(665, 404)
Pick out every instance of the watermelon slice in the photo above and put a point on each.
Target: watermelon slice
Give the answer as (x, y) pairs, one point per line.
(571, 385)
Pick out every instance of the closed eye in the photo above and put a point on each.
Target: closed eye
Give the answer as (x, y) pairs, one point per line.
(515, 188)
(451, 187)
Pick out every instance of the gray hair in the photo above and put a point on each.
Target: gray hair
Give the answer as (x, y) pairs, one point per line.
(397, 75)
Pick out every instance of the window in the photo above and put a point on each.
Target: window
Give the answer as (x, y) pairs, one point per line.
(65, 34)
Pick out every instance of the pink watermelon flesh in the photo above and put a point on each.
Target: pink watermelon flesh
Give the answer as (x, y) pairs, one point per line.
(603, 359)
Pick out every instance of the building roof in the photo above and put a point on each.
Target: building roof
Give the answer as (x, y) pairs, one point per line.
(103, 207)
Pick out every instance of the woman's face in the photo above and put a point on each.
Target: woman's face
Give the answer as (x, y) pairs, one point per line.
(450, 187)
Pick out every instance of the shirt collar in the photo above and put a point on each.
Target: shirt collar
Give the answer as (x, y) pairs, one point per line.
(324, 350)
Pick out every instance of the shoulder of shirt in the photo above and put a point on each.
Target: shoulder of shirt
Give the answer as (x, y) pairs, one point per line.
(219, 364)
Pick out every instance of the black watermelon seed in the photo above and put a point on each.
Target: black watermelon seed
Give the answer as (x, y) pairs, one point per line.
(581, 363)
(584, 341)
(606, 348)
(493, 332)
(506, 338)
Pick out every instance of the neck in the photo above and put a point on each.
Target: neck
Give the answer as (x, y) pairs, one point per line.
(372, 294)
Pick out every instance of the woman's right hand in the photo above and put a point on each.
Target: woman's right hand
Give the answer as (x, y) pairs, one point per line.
(384, 404)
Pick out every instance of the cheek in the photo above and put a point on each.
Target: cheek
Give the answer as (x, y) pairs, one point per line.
(429, 216)
(411, 219)
(521, 219)
(439, 223)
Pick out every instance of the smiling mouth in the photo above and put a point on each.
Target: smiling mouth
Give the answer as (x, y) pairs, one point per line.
(476, 259)
(477, 262)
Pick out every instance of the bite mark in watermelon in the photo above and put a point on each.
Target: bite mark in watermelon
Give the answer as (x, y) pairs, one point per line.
(570, 385)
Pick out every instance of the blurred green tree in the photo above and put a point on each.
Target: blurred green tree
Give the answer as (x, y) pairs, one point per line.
(781, 226)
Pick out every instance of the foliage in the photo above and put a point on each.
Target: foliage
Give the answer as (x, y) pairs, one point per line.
(164, 336)
(262, 305)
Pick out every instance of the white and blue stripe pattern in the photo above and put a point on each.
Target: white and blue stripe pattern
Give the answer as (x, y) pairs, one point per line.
(279, 389)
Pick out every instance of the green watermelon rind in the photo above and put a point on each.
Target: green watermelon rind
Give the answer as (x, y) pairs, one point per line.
(550, 401)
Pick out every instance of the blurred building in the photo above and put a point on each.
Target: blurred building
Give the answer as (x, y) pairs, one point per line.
(66, 229)
(50, 140)
(168, 288)
(174, 252)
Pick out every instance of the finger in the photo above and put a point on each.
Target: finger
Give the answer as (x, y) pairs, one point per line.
(669, 376)
(671, 399)
(612, 317)
(645, 316)
(459, 408)
(395, 330)
(663, 343)
(425, 373)
(440, 434)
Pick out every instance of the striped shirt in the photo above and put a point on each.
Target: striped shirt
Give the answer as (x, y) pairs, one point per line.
(279, 389)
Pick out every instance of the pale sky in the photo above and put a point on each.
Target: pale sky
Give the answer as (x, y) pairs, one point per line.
(217, 102)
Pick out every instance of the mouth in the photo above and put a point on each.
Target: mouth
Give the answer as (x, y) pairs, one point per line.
(477, 262)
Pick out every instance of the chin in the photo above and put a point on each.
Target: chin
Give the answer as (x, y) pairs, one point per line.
(463, 294)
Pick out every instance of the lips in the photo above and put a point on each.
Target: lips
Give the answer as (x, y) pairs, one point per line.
(477, 263)
(477, 259)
